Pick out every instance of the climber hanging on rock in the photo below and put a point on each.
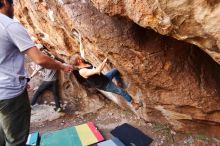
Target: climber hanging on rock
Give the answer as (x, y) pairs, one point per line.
(95, 77)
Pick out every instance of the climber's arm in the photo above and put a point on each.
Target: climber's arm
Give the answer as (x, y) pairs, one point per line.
(89, 72)
(85, 73)
(81, 49)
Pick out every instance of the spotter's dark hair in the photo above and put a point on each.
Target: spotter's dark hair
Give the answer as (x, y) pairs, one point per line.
(2, 4)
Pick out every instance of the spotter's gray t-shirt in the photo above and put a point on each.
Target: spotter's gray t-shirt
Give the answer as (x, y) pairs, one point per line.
(14, 40)
(50, 75)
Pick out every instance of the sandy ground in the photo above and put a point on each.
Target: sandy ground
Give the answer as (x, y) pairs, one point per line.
(44, 119)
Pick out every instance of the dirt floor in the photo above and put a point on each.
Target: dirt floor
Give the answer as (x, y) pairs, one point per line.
(44, 119)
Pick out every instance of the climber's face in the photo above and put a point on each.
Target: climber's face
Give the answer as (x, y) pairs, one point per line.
(77, 60)
(80, 61)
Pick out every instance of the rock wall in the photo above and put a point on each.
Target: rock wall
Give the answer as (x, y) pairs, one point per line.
(194, 21)
(177, 82)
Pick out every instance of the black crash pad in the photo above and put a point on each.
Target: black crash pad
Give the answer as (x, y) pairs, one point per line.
(131, 136)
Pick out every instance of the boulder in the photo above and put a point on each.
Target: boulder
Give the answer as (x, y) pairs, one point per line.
(176, 81)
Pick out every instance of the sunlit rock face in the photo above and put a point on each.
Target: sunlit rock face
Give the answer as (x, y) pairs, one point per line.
(194, 21)
(177, 82)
